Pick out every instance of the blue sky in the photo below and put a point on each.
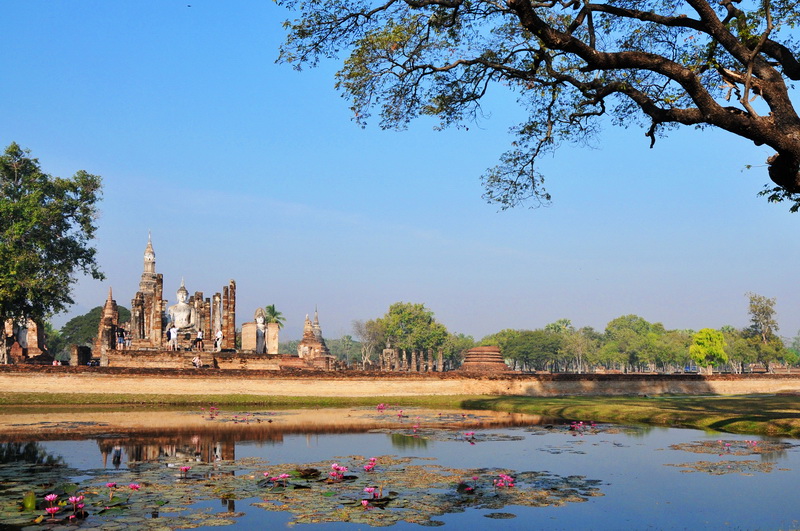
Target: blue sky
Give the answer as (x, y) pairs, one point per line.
(245, 169)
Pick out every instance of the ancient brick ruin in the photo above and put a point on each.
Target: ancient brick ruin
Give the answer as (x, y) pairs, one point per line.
(148, 322)
(312, 347)
(151, 317)
(484, 360)
(25, 342)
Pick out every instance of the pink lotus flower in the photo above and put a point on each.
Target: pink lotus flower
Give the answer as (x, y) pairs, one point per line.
(111, 485)
(365, 503)
(134, 486)
(51, 497)
(51, 510)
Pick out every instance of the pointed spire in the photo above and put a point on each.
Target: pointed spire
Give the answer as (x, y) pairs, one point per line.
(110, 297)
(149, 248)
(316, 315)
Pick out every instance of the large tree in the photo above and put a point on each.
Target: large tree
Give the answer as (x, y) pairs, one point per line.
(411, 326)
(370, 334)
(46, 228)
(708, 348)
(761, 335)
(575, 65)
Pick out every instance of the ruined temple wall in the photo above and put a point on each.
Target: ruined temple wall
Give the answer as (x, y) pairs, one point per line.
(148, 359)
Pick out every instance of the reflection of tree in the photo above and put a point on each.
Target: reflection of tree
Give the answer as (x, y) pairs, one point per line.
(406, 441)
(30, 452)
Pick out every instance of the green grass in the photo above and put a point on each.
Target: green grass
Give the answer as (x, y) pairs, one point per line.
(85, 399)
(747, 414)
(751, 414)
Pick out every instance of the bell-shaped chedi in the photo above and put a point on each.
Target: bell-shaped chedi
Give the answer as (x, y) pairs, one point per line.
(484, 360)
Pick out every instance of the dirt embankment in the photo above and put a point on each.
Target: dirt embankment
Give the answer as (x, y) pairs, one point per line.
(107, 380)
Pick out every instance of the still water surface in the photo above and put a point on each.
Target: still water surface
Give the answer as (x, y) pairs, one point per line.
(639, 478)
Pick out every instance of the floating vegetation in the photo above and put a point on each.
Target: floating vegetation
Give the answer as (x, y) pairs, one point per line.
(720, 468)
(446, 435)
(500, 516)
(169, 493)
(398, 490)
(734, 447)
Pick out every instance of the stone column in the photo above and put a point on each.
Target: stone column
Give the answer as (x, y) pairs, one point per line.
(413, 367)
(73, 356)
(224, 317)
(208, 331)
(430, 360)
(440, 360)
(229, 315)
(216, 315)
(156, 324)
(249, 331)
(272, 337)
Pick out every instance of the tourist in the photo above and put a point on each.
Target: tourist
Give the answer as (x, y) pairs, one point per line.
(199, 341)
(120, 338)
(197, 362)
(173, 337)
(169, 344)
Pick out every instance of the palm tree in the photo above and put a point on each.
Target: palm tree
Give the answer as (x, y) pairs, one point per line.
(274, 316)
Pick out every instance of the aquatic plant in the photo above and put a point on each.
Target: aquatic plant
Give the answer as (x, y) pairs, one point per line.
(52, 508)
(111, 487)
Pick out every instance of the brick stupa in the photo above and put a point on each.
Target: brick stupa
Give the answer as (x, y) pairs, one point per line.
(485, 360)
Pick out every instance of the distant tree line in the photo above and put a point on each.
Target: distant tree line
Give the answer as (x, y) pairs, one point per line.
(632, 344)
(628, 343)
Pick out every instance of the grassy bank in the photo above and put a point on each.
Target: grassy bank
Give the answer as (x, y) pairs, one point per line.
(750, 414)
(86, 399)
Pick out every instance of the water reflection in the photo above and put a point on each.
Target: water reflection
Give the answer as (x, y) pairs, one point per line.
(27, 452)
(402, 441)
(210, 438)
(626, 478)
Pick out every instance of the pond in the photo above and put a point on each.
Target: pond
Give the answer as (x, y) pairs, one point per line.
(385, 466)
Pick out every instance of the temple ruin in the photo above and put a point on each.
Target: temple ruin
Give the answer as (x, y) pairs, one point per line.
(152, 320)
(149, 320)
(312, 347)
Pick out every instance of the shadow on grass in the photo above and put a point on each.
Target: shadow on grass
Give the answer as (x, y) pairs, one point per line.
(751, 414)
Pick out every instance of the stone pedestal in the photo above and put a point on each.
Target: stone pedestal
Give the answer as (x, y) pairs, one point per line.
(249, 336)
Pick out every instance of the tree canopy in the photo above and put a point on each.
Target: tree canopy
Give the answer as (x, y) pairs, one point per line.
(46, 227)
(410, 326)
(82, 329)
(272, 315)
(575, 67)
(708, 348)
